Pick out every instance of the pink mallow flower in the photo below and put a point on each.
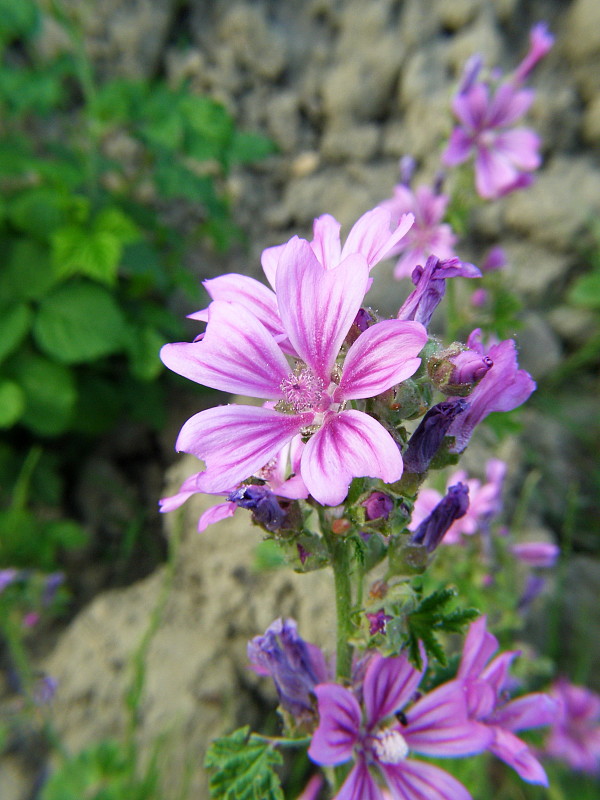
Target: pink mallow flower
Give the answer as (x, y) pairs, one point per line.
(239, 355)
(504, 155)
(428, 235)
(503, 388)
(574, 737)
(382, 736)
(486, 682)
(484, 502)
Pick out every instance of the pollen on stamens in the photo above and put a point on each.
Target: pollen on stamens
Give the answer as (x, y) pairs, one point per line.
(302, 390)
(390, 747)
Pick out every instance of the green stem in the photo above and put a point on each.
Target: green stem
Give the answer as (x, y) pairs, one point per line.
(340, 555)
(280, 741)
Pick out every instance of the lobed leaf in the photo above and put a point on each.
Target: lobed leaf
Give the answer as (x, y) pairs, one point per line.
(244, 768)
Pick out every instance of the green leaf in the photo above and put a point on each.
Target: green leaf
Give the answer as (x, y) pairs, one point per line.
(244, 768)
(12, 403)
(78, 251)
(50, 393)
(65, 533)
(431, 616)
(586, 290)
(17, 19)
(38, 212)
(246, 148)
(116, 222)
(79, 322)
(173, 179)
(143, 347)
(27, 274)
(14, 326)
(210, 128)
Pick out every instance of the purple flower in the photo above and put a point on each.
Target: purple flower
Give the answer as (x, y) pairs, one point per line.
(430, 287)
(237, 354)
(486, 682)
(504, 155)
(574, 737)
(536, 554)
(503, 388)
(294, 665)
(428, 235)
(378, 506)
(429, 434)
(382, 746)
(485, 502)
(432, 529)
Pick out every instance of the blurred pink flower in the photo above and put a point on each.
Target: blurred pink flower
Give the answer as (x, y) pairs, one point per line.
(574, 737)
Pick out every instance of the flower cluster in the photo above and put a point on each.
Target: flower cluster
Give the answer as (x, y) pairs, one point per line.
(382, 720)
(505, 156)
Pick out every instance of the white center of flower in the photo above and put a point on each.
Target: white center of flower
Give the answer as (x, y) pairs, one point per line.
(390, 747)
(303, 390)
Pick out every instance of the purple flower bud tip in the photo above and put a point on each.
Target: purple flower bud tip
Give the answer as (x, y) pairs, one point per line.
(263, 504)
(303, 553)
(407, 170)
(457, 370)
(378, 505)
(378, 621)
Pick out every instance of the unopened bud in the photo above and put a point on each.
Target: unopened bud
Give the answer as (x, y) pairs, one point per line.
(456, 370)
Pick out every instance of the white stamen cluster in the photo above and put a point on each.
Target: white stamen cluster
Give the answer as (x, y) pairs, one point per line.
(390, 747)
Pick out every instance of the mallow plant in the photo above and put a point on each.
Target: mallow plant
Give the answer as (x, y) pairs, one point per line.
(355, 413)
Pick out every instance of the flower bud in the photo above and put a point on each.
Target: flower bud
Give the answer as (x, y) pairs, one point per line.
(265, 508)
(456, 370)
(450, 508)
(294, 665)
(378, 506)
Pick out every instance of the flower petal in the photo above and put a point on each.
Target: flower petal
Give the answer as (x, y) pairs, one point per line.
(371, 235)
(388, 686)
(480, 645)
(459, 148)
(269, 260)
(494, 173)
(339, 725)
(236, 355)
(248, 292)
(326, 241)
(236, 441)
(514, 752)
(521, 147)
(216, 514)
(415, 780)
(508, 105)
(318, 305)
(359, 785)
(529, 711)
(384, 355)
(349, 445)
(438, 724)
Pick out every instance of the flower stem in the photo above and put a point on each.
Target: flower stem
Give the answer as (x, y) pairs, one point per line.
(340, 554)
